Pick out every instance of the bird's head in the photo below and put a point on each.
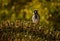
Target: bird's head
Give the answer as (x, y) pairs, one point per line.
(35, 12)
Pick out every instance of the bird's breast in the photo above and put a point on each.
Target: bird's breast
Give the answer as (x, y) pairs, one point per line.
(35, 20)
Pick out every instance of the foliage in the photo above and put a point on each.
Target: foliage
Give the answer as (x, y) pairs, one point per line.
(16, 24)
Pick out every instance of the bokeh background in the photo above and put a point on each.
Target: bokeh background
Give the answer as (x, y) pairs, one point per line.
(16, 24)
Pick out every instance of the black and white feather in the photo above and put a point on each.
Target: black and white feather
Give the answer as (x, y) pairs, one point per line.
(35, 17)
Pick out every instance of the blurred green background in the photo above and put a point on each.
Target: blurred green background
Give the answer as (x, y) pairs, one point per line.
(49, 11)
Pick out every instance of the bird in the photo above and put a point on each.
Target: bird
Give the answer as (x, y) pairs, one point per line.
(35, 17)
